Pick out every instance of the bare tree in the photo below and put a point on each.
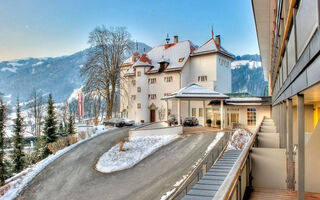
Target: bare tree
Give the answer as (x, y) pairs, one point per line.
(103, 66)
(36, 106)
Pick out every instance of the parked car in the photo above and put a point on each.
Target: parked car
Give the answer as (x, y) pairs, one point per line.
(128, 122)
(190, 121)
(116, 122)
(172, 120)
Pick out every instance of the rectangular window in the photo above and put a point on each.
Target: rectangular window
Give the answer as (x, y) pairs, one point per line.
(139, 73)
(133, 97)
(202, 78)
(168, 79)
(138, 89)
(138, 105)
(133, 82)
(194, 112)
(200, 112)
(152, 96)
(152, 80)
(251, 116)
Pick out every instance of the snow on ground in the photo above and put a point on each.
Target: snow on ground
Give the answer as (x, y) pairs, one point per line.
(164, 197)
(136, 149)
(16, 183)
(239, 139)
(184, 177)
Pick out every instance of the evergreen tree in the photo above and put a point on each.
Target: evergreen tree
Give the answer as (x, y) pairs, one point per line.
(70, 129)
(17, 156)
(50, 127)
(3, 170)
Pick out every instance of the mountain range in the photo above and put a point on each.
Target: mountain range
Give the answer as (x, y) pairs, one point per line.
(61, 75)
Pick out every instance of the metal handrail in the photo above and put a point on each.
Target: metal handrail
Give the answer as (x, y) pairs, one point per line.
(228, 186)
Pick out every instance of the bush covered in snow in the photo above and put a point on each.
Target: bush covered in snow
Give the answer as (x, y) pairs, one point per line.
(239, 139)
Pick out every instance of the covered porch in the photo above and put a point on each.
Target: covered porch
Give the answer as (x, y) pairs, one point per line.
(197, 93)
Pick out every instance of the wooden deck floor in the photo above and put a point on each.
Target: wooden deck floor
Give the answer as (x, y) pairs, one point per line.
(260, 193)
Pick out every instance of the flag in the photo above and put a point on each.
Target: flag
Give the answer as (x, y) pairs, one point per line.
(80, 104)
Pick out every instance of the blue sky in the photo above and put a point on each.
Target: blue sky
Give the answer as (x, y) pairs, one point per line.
(43, 28)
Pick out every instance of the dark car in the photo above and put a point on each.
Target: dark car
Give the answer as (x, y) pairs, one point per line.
(172, 120)
(190, 121)
(116, 122)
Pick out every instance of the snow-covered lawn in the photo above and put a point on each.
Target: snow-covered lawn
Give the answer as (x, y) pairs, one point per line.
(239, 139)
(184, 177)
(136, 149)
(16, 184)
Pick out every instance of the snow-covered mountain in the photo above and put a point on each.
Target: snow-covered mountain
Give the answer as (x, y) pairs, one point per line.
(247, 75)
(59, 76)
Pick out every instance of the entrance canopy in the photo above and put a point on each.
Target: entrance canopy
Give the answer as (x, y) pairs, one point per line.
(196, 92)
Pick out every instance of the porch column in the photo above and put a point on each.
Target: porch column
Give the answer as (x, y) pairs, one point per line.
(284, 126)
(179, 112)
(188, 108)
(221, 114)
(301, 147)
(203, 112)
(290, 145)
(212, 114)
(167, 107)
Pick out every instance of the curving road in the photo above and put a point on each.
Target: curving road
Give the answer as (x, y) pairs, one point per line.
(72, 176)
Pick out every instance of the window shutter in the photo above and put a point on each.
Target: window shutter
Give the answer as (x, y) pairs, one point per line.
(198, 78)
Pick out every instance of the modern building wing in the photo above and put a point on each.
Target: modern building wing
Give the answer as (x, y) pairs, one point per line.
(289, 40)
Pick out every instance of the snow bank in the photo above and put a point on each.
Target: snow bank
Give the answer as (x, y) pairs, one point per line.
(239, 139)
(17, 183)
(137, 148)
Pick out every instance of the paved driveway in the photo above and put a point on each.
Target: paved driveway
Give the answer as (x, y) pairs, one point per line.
(72, 176)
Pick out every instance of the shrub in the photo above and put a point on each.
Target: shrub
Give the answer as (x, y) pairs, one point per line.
(72, 139)
(82, 135)
(218, 122)
(58, 145)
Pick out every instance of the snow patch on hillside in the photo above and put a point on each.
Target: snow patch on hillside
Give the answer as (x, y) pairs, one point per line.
(15, 64)
(13, 70)
(250, 63)
(37, 64)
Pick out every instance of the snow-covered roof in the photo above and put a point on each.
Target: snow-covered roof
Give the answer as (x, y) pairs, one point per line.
(209, 47)
(195, 91)
(144, 60)
(175, 54)
(246, 101)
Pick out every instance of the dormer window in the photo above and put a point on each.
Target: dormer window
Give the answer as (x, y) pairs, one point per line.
(181, 59)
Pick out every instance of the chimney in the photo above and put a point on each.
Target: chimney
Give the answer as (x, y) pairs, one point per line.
(175, 39)
(218, 40)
